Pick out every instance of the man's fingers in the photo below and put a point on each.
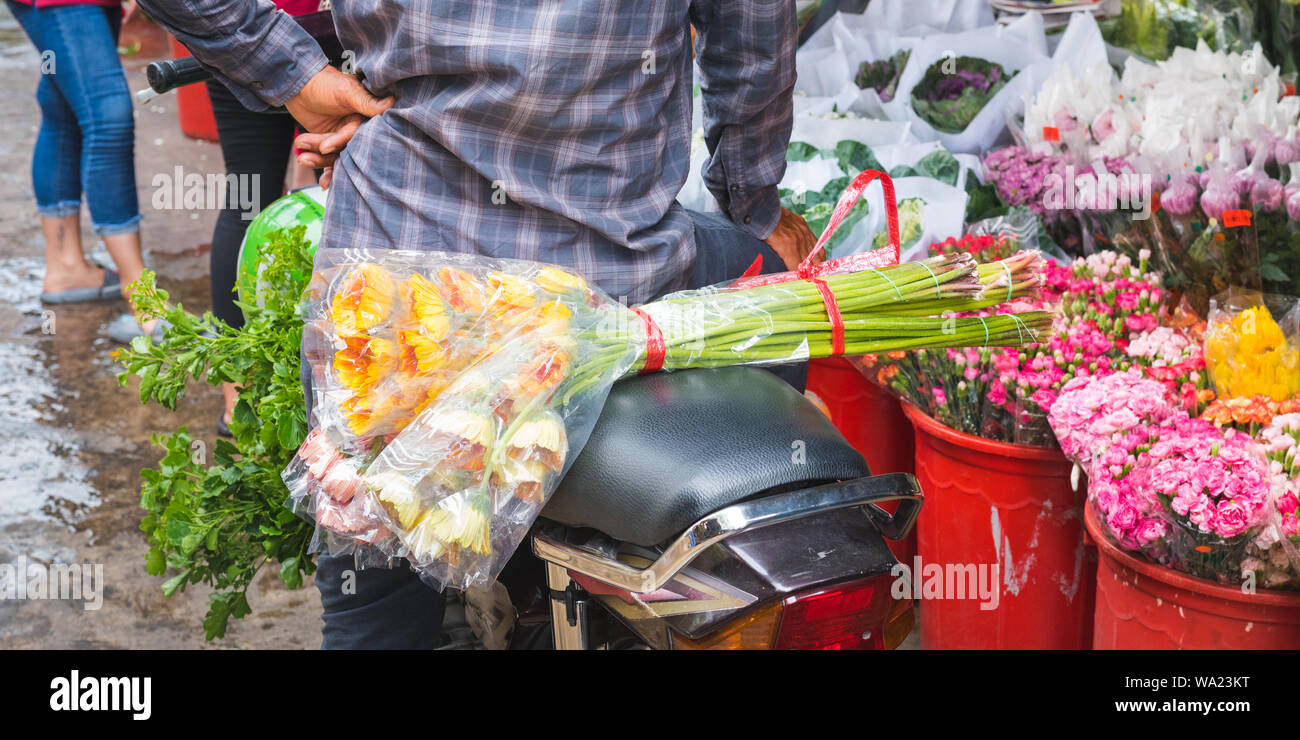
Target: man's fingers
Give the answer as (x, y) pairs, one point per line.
(335, 141)
(326, 178)
(359, 100)
(314, 160)
(309, 142)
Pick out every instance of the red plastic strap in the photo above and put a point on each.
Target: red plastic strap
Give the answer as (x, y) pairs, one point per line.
(832, 313)
(654, 344)
(754, 268)
(852, 194)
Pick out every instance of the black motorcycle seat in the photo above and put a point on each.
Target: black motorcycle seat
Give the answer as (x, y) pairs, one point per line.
(669, 448)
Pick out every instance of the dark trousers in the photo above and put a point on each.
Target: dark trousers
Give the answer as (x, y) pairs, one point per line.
(394, 609)
(253, 145)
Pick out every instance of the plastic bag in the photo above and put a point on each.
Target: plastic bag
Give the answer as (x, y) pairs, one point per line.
(1247, 350)
(452, 391)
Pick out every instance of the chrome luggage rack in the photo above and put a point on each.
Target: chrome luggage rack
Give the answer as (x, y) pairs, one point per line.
(742, 517)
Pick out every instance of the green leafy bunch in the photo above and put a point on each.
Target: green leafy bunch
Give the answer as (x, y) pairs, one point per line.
(218, 522)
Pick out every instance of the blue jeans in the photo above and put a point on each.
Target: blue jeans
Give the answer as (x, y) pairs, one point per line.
(394, 609)
(87, 135)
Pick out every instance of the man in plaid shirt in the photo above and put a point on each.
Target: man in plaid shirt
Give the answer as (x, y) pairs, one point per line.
(554, 130)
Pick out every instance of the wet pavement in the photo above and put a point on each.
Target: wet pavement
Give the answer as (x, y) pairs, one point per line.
(72, 442)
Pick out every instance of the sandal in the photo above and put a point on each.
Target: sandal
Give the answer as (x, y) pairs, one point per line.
(111, 288)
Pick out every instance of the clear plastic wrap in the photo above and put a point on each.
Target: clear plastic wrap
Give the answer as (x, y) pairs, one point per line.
(1247, 350)
(451, 391)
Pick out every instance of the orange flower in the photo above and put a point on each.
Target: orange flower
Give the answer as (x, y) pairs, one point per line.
(364, 299)
(551, 367)
(462, 290)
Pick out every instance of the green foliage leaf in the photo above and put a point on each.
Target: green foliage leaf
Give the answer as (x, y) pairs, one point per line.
(218, 521)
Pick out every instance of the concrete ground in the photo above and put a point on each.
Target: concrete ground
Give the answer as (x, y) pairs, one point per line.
(72, 442)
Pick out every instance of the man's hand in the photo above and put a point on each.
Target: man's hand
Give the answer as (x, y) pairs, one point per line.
(331, 106)
(793, 240)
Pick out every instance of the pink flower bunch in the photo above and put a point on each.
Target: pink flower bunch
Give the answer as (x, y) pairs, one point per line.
(1150, 466)
(1214, 480)
(1093, 416)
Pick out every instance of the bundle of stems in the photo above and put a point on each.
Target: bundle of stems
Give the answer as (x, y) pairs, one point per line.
(893, 308)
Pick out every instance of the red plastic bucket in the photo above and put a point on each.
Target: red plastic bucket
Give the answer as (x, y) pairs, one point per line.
(1143, 605)
(872, 420)
(1011, 506)
(193, 106)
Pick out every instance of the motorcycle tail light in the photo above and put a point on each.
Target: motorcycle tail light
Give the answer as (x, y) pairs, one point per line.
(755, 631)
(847, 616)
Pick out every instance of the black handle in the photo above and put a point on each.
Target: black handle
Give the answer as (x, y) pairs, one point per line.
(169, 74)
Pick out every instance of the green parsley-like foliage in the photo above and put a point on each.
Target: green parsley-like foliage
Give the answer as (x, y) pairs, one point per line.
(219, 521)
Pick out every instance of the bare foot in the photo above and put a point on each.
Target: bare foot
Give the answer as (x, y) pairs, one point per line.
(72, 279)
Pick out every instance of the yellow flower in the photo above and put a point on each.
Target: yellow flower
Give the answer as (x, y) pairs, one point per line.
(423, 541)
(546, 433)
(512, 296)
(398, 497)
(427, 307)
(420, 353)
(1249, 355)
(555, 280)
(454, 520)
(364, 299)
(464, 425)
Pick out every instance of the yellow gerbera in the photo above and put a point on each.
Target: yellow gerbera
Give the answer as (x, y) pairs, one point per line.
(426, 306)
(364, 299)
(461, 290)
(398, 496)
(555, 280)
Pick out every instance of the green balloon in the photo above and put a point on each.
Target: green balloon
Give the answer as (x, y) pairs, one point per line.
(304, 207)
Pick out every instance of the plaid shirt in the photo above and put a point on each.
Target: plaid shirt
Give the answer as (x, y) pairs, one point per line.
(554, 130)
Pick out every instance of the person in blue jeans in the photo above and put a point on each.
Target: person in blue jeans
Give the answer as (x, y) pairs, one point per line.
(85, 146)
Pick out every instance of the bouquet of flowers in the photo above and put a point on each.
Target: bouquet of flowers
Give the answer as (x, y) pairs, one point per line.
(452, 390)
(1179, 489)
(882, 75)
(1248, 353)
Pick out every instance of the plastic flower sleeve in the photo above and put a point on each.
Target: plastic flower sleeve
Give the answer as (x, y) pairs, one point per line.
(452, 391)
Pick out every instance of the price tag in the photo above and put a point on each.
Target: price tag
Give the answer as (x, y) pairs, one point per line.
(1232, 219)
(1051, 133)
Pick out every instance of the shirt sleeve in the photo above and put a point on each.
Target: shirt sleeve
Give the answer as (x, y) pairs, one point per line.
(745, 51)
(257, 51)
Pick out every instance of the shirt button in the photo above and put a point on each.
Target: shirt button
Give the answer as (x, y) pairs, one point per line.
(257, 85)
(735, 188)
(747, 219)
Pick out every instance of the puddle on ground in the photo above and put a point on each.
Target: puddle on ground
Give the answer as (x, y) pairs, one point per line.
(44, 477)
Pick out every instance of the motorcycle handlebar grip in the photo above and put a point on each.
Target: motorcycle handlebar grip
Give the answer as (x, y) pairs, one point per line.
(169, 74)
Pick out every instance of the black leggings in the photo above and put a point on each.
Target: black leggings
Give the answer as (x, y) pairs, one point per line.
(252, 144)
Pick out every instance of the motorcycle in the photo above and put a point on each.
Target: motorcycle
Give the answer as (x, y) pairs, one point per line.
(710, 509)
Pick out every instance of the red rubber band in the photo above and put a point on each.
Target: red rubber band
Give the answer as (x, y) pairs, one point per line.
(655, 350)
